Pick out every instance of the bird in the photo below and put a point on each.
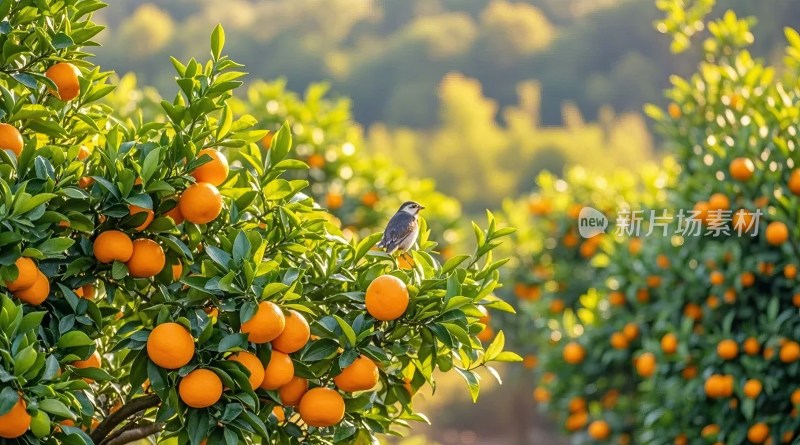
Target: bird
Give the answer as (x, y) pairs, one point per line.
(402, 230)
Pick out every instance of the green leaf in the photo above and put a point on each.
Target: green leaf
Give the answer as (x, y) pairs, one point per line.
(473, 381)
(8, 398)
(73, 339)
(349, 333)
(56, 407)
(217, 41)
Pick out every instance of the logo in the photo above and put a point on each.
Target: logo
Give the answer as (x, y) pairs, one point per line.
(591, 222)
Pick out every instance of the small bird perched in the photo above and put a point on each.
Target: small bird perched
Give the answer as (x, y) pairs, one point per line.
(402, 230)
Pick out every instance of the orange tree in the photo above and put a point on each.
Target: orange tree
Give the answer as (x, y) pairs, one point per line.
(557, 286)
(149, 287)
(716, 356)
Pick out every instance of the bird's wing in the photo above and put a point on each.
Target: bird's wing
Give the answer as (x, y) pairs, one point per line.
(400, 226)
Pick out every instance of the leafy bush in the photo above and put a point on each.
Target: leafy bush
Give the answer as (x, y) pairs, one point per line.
(149, 287)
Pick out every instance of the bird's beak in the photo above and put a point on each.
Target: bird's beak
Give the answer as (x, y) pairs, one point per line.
(422, 207)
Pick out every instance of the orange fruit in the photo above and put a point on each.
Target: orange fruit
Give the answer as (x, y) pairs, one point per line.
(85, 182)
(674, 110)
(680, 439)
(253, 365)
(693, 311)
(266, 141)
(200, 203)
(742, 220)
(794, 182)
(635, 246)
(15, 422)
(616, 298)
(653, 281)
(11, 139)
(266, 324)
(175, 214)
(573, 353)
(631, 330)
(571, 240)
(748, 279)
(712, 301)
(541, 395)
(751, 346)
(790, 271)
(796, 300)
(576, 421)
(752, 388)
(334, 200)
(65, 76)
(577, 404)
(530, 361)
(662, 261)
(170, 345)
(215, 171)
(642, 296)
(113, 245)
(93, 361)
(557, 305)
(486, 335)
(727, 349)
(619, 340)
(538, 206)
(689, 372)
(361, 375)
(717, 278)
(177, 270)
(718, 201)
(787, 436)
(87, 291)
(777, 233)
(729, 296)
(295, 334)
(790, 352)
(709, 430)
(132, 209)
(758, 433)
(369, 199)
(646, 364)
(669, 343)
(599, 430)
(316, 161)
(27, 274)
(83, 152)
(321, 407)
(279, 413)
(292, 392)
(742, 169)
(387, 298)
(37, 293)
(279, 371)
(200, 388)
(147, 259)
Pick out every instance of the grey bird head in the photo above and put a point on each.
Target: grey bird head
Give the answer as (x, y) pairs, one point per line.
(411, 207)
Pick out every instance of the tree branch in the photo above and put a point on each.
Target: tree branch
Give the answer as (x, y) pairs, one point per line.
(132, 435)
(136, 405)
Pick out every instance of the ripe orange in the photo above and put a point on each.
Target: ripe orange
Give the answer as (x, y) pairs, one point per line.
(253, 365)
(729, 296)
(87, 291)
(175, 214)
(573, 353)
(361, 375)
(292, 392)
(170, 345)
(556, 306)
(530, 361)
(65, 76)
(718, 385)
(113, 245)
(653, 281)
(576, 421)
(777, 233)
(571, 240)
(717, 278)
(787, 436)
(93, 361)
(689, 372)
(541, 395)
(266, 141)
(334, 200)
(577, 404)
(616, 298)
(646, 364)
(701, 207)
(200, 203)
(279, 413)
(599, 430)
(712, 301)
(369, 199)
(790, 352)
(27, 274)
(643, 295)
(758, 433)
(795, 397)
(752, 388)
(177, 270)
(693, 311)
(727, 349)
(751, 346)
(85, 182)
(387, 298)
(790, 271)
(619, 340)
(147, 259)
(674, 110)
(747, 279)
(16, 422)
(321, 407)
(295, 334)
(742, 169)
(37, 293)
(200, 388)
(719, 201)
(83, 152)
(680, 439)
(710, 430)
(631, 330)
(148, 219)
(215, 171)
(794, 182)
(316, 161)
(486, 335)
(279, 371)
(266, 324)
(11, 139)
(635, 246)
(669, 343)
(662, 261)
